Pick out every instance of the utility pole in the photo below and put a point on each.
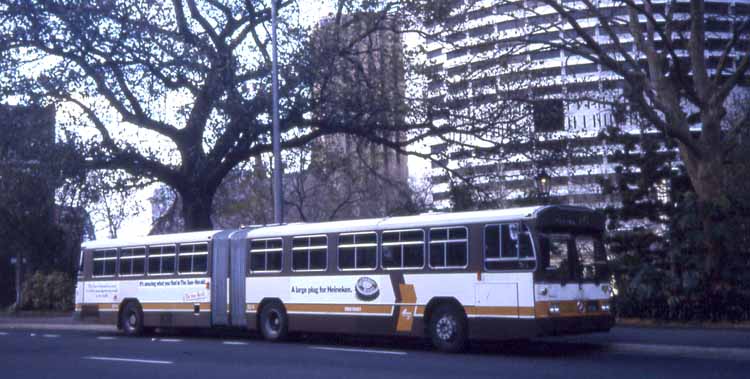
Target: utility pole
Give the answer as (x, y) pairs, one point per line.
(278, 214)
(19, 267)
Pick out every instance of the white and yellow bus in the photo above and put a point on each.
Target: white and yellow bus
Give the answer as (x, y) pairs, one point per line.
(452, 277)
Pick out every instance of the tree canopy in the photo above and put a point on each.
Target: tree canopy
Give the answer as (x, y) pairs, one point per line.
(177, 92)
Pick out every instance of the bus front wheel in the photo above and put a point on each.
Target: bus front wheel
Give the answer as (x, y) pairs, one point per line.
(131, 319)
(448, 329)
(274, 323)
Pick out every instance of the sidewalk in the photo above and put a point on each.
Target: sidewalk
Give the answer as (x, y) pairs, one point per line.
(49, 321)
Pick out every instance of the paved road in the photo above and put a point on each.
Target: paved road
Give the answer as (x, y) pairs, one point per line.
(28, 351)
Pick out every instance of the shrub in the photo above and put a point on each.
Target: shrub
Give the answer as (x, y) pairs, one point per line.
(48, 291)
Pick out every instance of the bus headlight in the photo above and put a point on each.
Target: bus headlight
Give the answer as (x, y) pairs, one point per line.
(554, 308)
(605, 307)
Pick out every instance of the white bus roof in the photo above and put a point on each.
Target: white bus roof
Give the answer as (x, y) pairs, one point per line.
(405, 222)
(162, 239)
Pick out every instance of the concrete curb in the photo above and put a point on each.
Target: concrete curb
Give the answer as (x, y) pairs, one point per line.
(84, 327)
(59, 323)
(647, 323)
(67, 323)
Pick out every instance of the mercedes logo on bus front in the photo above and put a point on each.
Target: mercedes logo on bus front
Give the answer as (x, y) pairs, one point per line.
(367, 289)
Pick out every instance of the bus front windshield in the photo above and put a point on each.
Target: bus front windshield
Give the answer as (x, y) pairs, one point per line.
(572, 257)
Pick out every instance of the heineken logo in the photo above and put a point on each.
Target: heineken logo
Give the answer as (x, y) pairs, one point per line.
(367, 289)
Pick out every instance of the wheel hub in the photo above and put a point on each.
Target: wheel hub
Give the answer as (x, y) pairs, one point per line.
(446, 328)
(273, 321)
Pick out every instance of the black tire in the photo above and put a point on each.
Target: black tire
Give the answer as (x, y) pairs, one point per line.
(131, 319)
(273, 322)
(447, 329)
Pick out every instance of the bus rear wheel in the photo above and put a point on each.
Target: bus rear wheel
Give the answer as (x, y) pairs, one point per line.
(131, 319)
(448, 330)
(274, 323)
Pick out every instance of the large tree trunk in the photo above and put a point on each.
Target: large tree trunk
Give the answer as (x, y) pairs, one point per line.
(711, 208)
(196, 209)
(707, 176)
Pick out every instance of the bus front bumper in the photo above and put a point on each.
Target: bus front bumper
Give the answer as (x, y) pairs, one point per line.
(574, 325)
(503, 329)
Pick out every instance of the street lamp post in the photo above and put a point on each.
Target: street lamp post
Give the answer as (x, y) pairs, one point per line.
(278, 214)
(543, 184)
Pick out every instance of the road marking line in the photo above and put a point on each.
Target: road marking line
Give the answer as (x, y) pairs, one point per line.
(234, 343)
(131, 360)
(730, 353)
(106, 338)
(351, 350)
(50, 335)
(169, 340)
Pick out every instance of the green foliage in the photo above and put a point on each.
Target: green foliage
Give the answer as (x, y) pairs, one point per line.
(673, 284)
(462, 196)
(31, 166)
(657, 248)
(53, 291)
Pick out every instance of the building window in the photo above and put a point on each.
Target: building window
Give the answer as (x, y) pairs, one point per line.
(510, 25)
(480, 13)
(358, 251)
(434, 53)
(508, 7)
(482, 31)
(265, 255)
(457, 53)
(455, 37)
(549, 115)
(161, 260)
(508, 247)
(403, 249)
(662, 191)
(310, 253)
(449, 247)
(105, 263)
(544, 54)
(132, 261)
(193, 258)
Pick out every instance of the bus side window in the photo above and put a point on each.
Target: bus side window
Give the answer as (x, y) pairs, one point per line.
(105, 263)
(80, 263)
(193, 258)
(132, 261)
(402, 249)
(508, 247)
(509, 241)
(139, 261)
(161, 260)
(525, 248)
(448, 247)
(265, 255)
(309, 253)
(357, 251)
(491, 242)
(126, 262)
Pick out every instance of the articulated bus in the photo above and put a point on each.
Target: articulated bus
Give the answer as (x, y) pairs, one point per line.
(451, 277)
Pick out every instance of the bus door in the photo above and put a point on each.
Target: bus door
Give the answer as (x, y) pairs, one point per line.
(237, 278)
(219, 275)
